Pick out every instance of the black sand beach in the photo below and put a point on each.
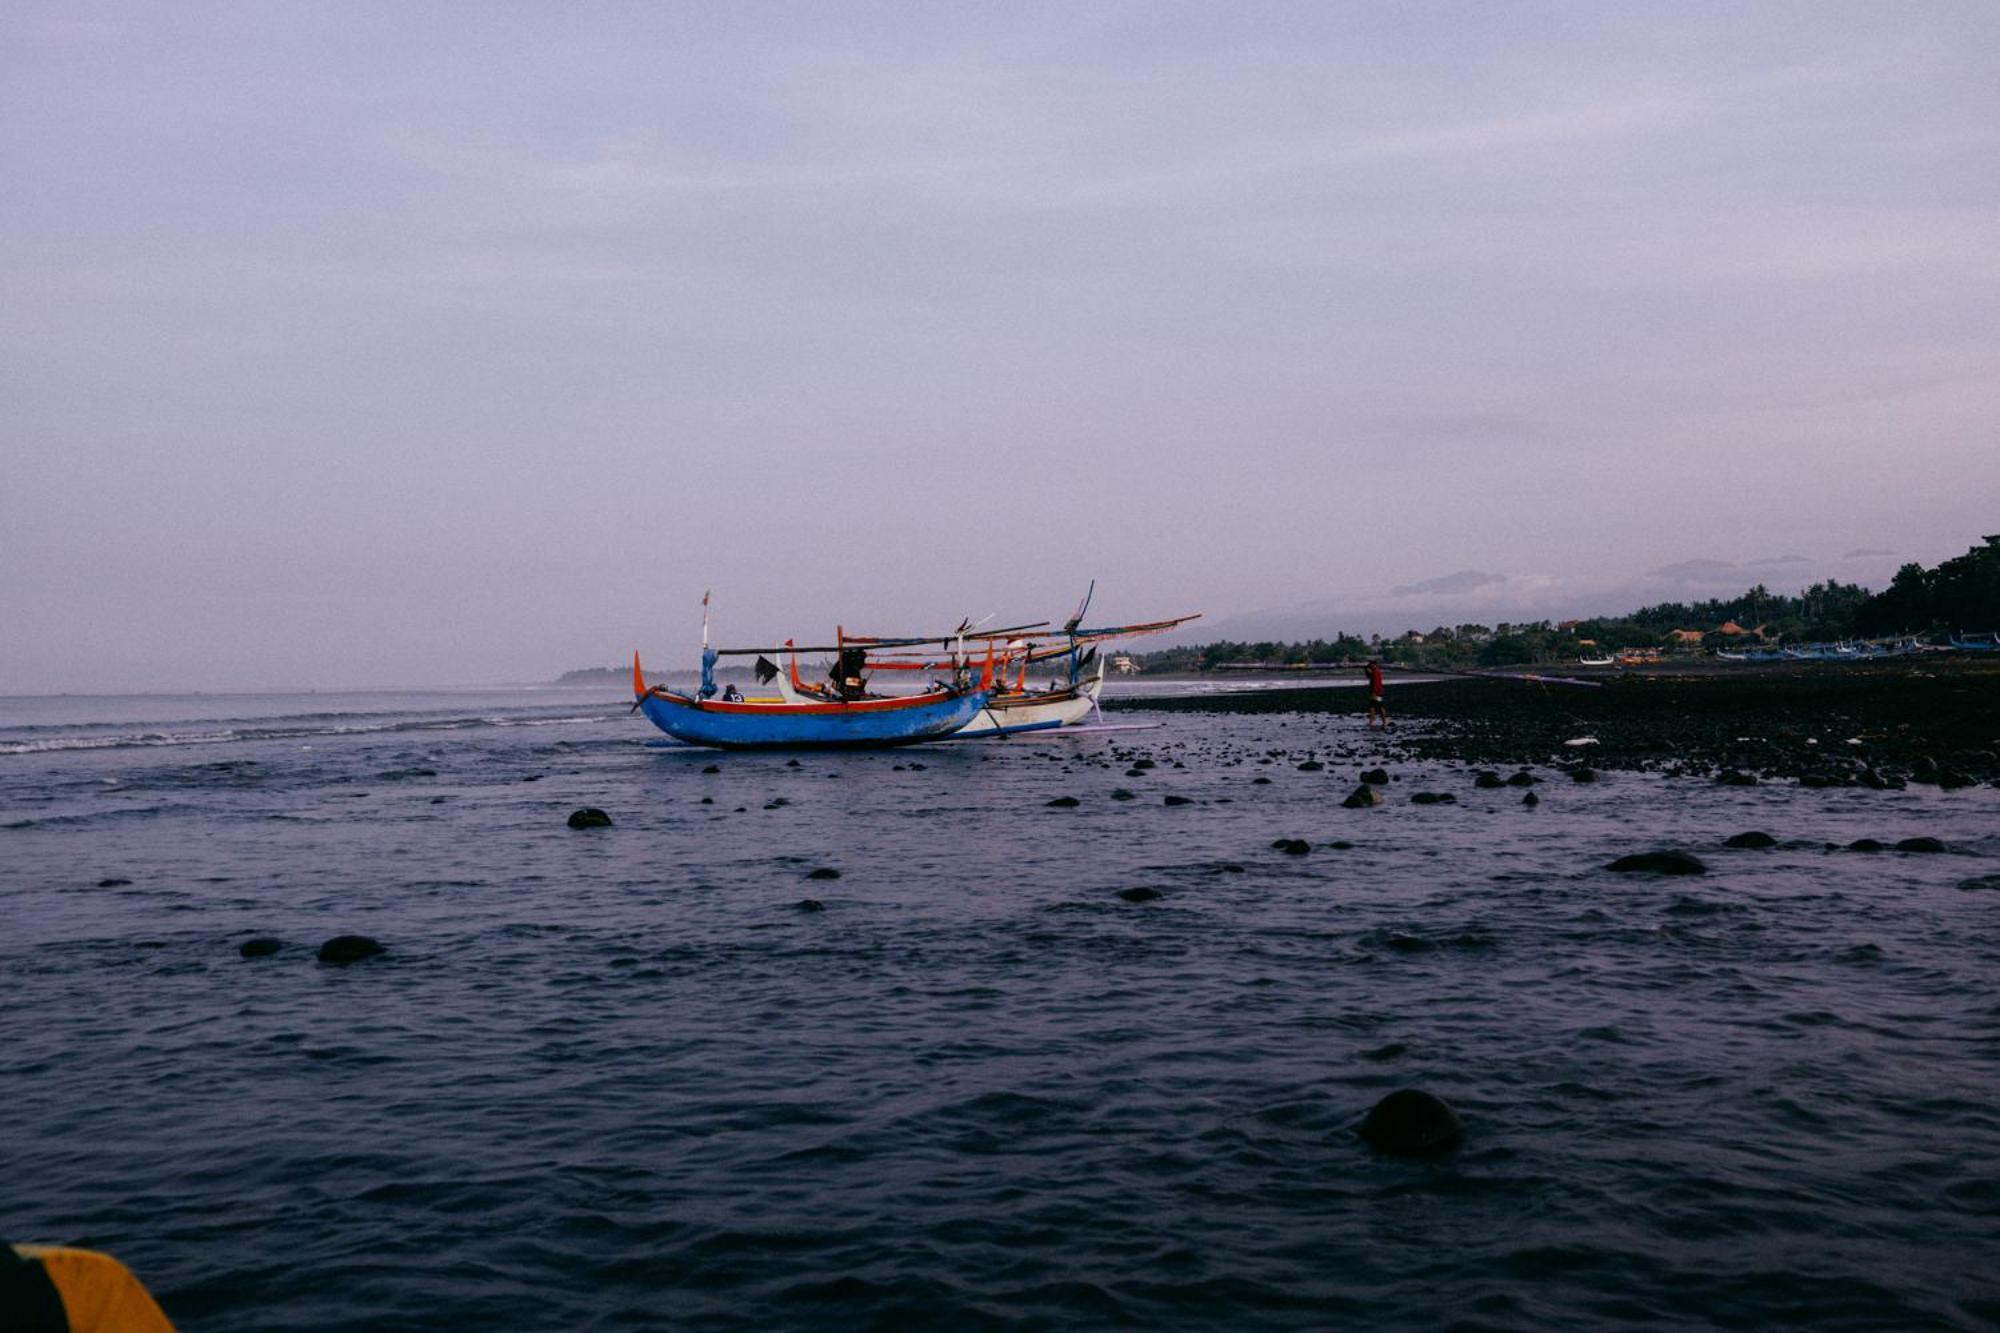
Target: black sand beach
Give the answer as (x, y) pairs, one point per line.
(1934, 719)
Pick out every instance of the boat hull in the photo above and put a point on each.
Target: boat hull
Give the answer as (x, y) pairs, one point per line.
(864, 724)
(1006, 714)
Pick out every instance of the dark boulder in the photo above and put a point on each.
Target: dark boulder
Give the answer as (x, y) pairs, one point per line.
(1311, 766)
(1955, 781)
(1433, 798)
(1376, 776)
(112, 883)
(1293, 846)
(1523, 779)
(344, 949)
(1658, 863)
(824, 872)
(1063, 803)
(713, 768)
(1531, 800)
(1751, 839)
(1486, 779)
(1144, 763)
(1121, 794)
(1138, 894)
(1865, 845)
(589, 817)
(1412, 1123)
(1731, 777)
(1980, 882)
(1920, 845)
(263, 946)
(809, 905)
(1178, 800)
(1135, 772)
(1583, 775)
(1362, 797)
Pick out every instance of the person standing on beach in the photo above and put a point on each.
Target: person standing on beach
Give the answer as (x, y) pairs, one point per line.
(1376, 711)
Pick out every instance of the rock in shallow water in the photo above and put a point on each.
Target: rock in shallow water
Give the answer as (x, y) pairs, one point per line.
(1751, 839)
(1362, 797)
(824, 872)
(1412, 1123)
(1139, 894)
(589, 817)
(263, 946)
(1378, 777)
(1062, 803)
(1920, 845)
(345, 949)
(1658, 863)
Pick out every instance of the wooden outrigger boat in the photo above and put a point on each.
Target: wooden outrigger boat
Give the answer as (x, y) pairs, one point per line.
(843, 716)
(844, 713)
(1016, 707)
(832, 722)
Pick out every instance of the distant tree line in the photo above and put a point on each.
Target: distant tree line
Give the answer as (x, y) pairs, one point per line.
(1961, 593)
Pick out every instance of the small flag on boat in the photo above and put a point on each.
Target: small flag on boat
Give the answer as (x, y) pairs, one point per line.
(767, 670)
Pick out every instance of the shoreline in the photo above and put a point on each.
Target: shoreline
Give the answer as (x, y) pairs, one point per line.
(1822, 724)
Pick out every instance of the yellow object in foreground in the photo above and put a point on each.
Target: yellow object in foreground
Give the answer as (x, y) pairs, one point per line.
(98, 1294)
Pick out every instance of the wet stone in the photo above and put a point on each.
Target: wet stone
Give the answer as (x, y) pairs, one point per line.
(1583, 775)
(262, 946)
(112, 883)
(589, 817)
(1523, 779)
(1260, 782)
(1920, 845)
(1178, 800)
(1121, 794)
(1376, 776)
(1139, 894)
(1311, 766)
(1866, 845)
(1433, 798)
(713, 768)
(344, 949)
(1063, 803)
(1531, 800)
(1658, 863)
(1293, 846)
(809, 905)
(1412, 1123)
(1362, 797)
(1486, 780)
(1754, 838)
(1730, 777)
(824, 872)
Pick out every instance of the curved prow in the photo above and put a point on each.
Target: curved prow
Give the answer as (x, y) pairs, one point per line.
(638, 677)
(73, 1291)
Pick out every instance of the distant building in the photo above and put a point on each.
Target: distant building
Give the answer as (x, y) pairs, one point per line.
(1684, 638)
(1124, 665)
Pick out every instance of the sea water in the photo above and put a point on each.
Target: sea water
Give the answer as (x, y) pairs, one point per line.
(630, 1077)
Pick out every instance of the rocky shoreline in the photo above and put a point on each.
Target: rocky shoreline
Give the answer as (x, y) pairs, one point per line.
(1932, 720)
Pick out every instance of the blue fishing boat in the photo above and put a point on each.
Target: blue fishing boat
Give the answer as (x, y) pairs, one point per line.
(867, 722)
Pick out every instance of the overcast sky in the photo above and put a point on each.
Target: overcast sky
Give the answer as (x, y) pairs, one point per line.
(403, 343)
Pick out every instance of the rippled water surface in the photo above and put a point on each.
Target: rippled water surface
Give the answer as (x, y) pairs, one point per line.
(622, 1078)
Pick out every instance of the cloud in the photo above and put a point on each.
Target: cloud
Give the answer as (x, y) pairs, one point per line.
(1866, 553)
(1693, 571)
(1772, 562)
(1466, 580)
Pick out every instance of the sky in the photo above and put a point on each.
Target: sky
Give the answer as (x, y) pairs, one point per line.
(386, 344)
